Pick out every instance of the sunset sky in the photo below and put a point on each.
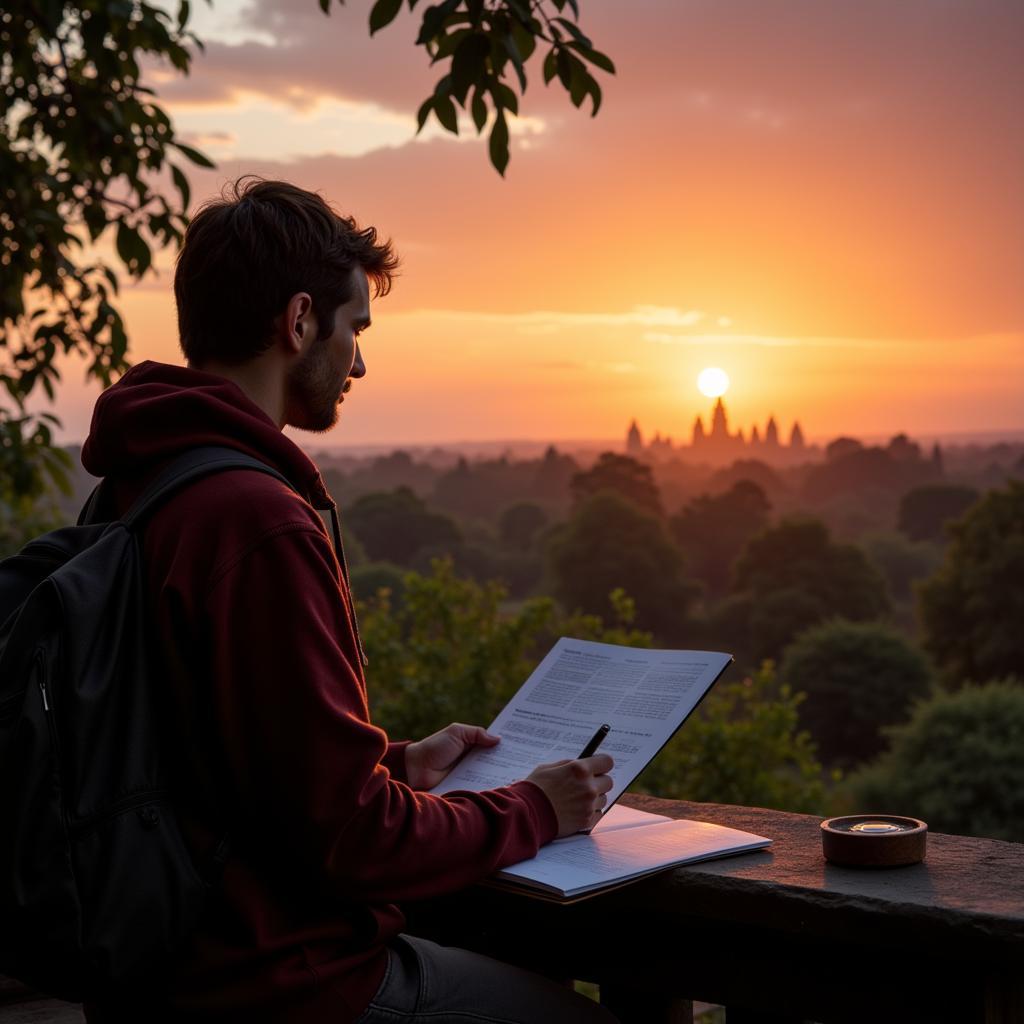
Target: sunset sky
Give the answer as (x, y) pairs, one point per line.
(823, 199)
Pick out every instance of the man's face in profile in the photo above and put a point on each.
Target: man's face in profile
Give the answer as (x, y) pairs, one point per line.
(316, 384)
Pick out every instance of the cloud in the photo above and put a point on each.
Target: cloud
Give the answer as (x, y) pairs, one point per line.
(550, 321)
(662, 338)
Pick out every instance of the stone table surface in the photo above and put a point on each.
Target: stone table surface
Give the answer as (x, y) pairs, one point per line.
(778, 931)
(968, 892)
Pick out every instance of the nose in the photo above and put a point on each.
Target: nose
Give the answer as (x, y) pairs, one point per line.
(358, 366)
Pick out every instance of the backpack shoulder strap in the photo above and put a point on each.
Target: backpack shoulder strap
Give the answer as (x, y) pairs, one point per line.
(192, 465)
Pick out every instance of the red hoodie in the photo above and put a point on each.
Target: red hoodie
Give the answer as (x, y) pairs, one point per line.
(255, 622)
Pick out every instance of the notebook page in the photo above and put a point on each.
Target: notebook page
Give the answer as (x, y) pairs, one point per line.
(587, 861)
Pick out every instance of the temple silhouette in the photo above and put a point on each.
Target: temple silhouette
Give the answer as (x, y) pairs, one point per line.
(719, 445)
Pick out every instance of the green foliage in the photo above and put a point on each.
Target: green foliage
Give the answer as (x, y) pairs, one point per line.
(367, 580)
(857, 677)
(609, 542)
(901, 561)
(973, 607)
(394, 526)
(32, 474)
(487, 47)
(484, 488)
(82, 152)
(446, 654)
(958, 764)
(712, 529)
(743, 745)
(520, 523)
(621, 475)
(925, 511)
(797, 576)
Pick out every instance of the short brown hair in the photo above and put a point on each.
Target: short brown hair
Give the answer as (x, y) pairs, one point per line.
(249, 251)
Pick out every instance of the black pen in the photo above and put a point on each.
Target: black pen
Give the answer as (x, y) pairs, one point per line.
(595, 740)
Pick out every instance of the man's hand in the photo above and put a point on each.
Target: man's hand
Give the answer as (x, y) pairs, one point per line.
(577, 789)
(428, 761)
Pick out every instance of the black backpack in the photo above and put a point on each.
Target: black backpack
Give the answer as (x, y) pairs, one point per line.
(96, 884)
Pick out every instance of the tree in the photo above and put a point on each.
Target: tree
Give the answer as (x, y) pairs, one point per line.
(393, 526)
(797, 577)
(712, 529)
(973, 607)
(925, 511)
(519, 524)
(609, 542)
(857, 677)
(901, 561)
(957, 764)
(618, 474)
(83, 155)
(862, 469)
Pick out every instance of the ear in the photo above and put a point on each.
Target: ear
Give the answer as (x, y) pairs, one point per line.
(297, 326)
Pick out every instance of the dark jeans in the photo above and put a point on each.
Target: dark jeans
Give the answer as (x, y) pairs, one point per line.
(430, 984)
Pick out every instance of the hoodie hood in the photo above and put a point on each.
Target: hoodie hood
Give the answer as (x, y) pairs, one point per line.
(157, 411)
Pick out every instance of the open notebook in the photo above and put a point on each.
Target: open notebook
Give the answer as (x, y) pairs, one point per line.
(625, 845)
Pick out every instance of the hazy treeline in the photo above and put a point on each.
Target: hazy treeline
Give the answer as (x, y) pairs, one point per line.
(872, 601)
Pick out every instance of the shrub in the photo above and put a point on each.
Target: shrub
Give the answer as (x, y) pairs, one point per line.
(957, 764)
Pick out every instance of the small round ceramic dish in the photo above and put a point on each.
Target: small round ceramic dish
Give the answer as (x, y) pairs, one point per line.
(873, 840)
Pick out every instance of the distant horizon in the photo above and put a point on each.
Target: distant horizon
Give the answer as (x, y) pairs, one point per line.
(955, 438)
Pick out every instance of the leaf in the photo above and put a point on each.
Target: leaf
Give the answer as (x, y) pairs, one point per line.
(597, 58)
(479, 109)
(579, 82)
(132, 249)
(184, 10)
(550, 65)
(423, 113)
(383, 13)
(445, 111)
(575, 32)
(124, 243)
(325, 6)
(505, 97)
(526, 40)
(564, 64)
(194, 155)
(517, 61)
(181, 183)
(499, 144)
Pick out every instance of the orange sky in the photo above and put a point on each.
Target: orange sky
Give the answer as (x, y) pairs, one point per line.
(823, 199)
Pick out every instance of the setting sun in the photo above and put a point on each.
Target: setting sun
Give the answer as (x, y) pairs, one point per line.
(713, 382)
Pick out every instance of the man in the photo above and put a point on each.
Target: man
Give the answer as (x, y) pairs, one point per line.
(255, 622)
